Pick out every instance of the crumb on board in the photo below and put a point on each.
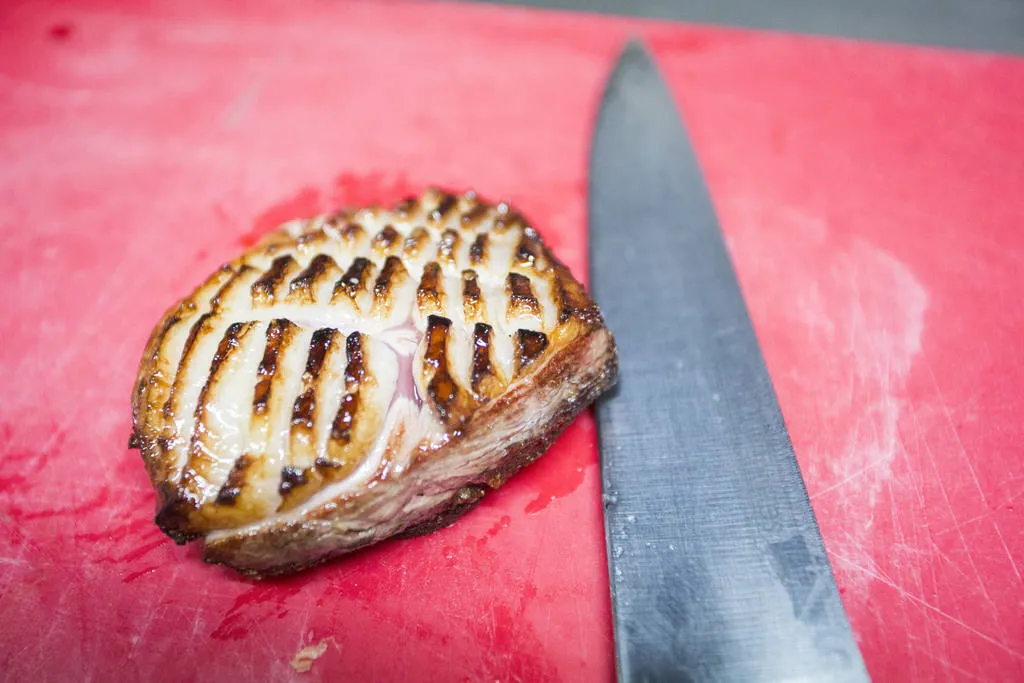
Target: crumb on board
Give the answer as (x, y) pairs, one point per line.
(304, 658)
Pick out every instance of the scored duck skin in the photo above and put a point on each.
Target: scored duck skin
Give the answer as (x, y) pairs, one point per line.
(361, 375)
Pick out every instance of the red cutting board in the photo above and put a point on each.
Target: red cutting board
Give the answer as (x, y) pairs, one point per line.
(873, 199)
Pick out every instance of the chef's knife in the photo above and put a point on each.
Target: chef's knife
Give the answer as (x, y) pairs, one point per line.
(717, 566)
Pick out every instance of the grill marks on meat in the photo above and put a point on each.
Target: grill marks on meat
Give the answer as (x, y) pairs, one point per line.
(224, 367)
(355, 283)
(316, 282)
(273, 283)
(345, 374)
(358, 418)
(302, 437)
(530, 346)
(392, 277)
(521, 299)
(329, 438)
(485, 379)
(430, 294)
(451, 401)
(473, 307)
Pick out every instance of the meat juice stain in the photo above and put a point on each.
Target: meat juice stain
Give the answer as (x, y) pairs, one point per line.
(256, 604)
(31, 460)
(557, 474)
(498, 526)
(61, 32)
(99, 500)
(12, 481)
(346, 190)
(139, 526)
(306, 202)
(131, 578)
(375, 188)
(272, 597)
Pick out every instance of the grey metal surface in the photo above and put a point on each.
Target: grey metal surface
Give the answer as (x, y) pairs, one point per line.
(990, 25)
(717, 566)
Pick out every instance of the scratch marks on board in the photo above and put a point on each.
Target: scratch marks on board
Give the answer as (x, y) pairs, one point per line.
(906, 595)
(943, 663)
(962, 452)
(983, 516)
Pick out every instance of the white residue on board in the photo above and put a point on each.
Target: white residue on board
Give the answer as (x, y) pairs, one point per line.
(857, 314)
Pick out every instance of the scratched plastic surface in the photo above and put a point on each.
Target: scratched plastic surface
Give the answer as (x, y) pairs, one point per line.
(871, 196)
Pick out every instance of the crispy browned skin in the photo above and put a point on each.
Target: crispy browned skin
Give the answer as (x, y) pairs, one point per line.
(363, 375)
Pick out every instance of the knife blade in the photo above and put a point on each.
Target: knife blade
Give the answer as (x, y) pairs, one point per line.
(717, 567)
